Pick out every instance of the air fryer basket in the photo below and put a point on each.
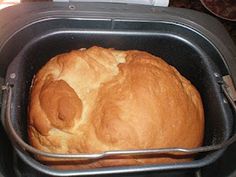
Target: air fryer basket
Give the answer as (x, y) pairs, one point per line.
(192, 49)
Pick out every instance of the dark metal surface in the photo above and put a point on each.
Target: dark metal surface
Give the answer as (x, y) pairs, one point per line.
(26, 13)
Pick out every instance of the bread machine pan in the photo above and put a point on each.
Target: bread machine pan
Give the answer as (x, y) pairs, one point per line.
(195, 43)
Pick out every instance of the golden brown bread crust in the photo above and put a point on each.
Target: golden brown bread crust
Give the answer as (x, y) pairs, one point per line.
(100, 99)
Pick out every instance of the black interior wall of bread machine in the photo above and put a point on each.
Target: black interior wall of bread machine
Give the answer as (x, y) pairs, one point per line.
(191, 53)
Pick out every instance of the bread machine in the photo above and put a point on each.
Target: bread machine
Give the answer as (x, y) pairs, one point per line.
(195, 43)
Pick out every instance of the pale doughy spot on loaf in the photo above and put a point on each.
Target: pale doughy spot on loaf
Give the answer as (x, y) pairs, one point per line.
(96, 99)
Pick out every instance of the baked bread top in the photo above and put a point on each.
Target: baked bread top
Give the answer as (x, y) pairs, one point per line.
(97, 99)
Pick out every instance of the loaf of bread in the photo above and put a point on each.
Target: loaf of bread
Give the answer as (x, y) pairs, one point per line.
(94, 100)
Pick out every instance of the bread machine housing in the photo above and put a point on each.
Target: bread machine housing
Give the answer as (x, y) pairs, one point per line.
(195, 43)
